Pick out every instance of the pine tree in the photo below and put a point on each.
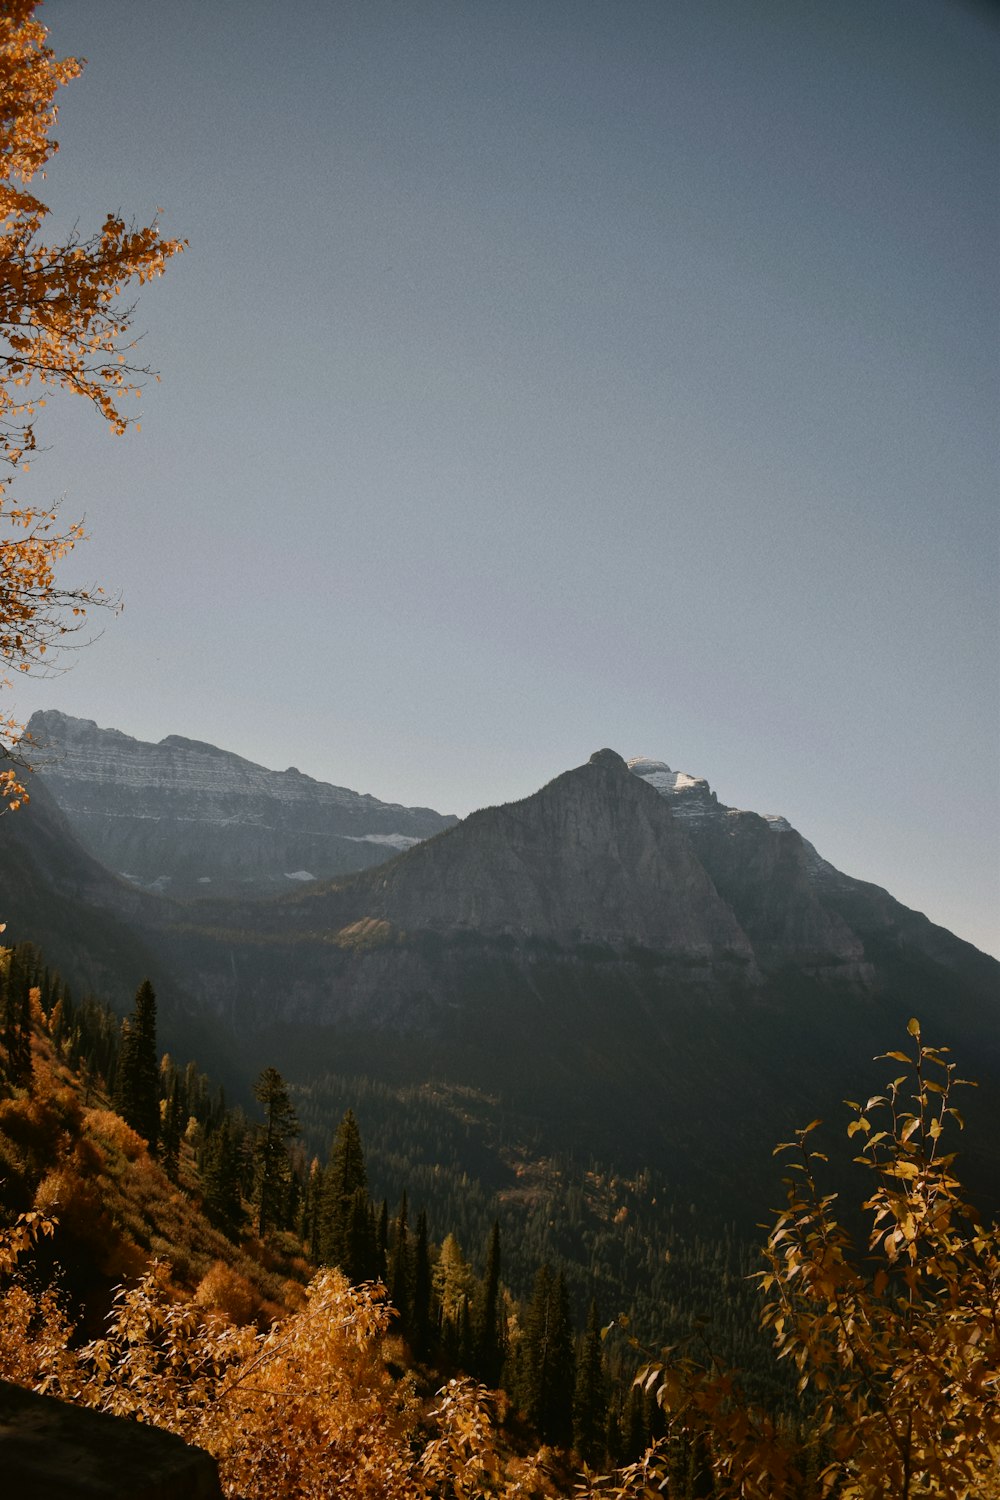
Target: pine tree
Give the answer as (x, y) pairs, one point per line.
(590, 1401)
(15, 1015)
(345, 1175)
(171, 1128)
(137, 1082)
(420, 1317)
(309, 1225)
(359, 1261)
(549, 1364)
(221, 1177)
(399, 1284)
(272, 1160)
(489, 1351)
(382, 1241)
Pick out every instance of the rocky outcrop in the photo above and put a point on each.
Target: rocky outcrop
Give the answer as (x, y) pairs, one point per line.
(50, 1448)
(192, 820)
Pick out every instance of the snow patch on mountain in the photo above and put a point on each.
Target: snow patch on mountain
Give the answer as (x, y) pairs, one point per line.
(689, 796)
(391, 840)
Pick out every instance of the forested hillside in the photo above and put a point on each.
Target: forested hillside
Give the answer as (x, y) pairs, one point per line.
(121, 1170)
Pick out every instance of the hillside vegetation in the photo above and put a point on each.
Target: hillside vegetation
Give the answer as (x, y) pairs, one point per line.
(395, 1369)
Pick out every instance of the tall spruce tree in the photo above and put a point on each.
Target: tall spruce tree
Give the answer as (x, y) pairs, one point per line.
(273, 1164)
(336, 1215)
(489, 1350)
(137, 1080)
(382, 1241)
(400, 1288)
(171, 1127)
(420, 1316)
(221, 1177)
(590, 1399)
(548, 1366)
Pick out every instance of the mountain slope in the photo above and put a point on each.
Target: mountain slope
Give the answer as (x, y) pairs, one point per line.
(592, 857)
(91, 925)
(190, 819)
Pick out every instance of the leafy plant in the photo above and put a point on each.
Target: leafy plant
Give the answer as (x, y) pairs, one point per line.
(896, 1345)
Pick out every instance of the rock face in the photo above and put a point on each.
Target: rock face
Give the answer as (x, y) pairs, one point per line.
(593, 857)
(766, 871)
(191, 820)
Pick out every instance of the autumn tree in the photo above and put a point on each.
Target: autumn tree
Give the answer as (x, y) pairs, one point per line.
(63, 325)
(454, 1288)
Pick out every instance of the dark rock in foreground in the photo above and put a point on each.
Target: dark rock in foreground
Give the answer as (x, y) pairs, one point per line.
(50, 1450)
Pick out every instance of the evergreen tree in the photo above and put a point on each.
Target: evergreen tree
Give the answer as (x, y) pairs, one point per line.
(399, 1284)
(382, 1241)
(221, 1177)
(22, 1067)
(272, 1160)
(15, 1015)
(549, 1365)
(137, 1081)
(344, 1176)
(171, 1127)
(309, 1224)
(359, 1260)
(489, 1352)
(590, 1402)
(420, 1317)
(636, 1435)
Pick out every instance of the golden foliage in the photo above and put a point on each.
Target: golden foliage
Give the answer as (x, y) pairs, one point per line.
(304, 1411)
(62, 325)
(896, 1347)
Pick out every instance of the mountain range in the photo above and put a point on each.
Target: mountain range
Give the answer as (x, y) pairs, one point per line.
(185, 818)
(619, 967)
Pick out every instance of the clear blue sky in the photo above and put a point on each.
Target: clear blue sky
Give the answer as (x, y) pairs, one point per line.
(549, 376)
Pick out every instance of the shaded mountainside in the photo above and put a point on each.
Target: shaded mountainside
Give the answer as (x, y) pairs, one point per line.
(624, 978)
(187, 818)
(92, 925)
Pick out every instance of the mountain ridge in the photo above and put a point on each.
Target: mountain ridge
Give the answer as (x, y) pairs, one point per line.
(184, 816)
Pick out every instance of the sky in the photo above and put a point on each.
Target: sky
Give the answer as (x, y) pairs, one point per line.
(545, 377)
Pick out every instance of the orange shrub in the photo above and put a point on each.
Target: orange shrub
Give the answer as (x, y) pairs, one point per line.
(224, 1290)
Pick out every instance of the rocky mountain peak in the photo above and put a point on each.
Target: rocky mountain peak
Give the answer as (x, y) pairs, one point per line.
(592, 857)
(609, 759)
(186, 817)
